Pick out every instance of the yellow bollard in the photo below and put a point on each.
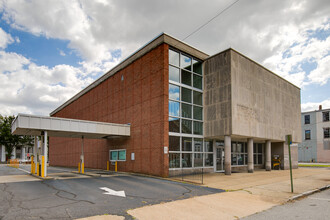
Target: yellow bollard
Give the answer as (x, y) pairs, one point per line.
(78, 167)
(108, 165)
(38, 174)
(43, 166)
(116, 166)
(82, 168)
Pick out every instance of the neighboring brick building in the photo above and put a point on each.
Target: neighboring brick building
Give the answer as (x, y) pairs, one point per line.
(186, 110)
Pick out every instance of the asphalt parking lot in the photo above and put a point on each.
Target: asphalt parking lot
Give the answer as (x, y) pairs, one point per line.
(76, 196)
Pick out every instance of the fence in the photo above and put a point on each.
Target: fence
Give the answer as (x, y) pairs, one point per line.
(13, 163)
(195, 175)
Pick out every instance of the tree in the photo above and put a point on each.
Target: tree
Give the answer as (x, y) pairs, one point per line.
(8, 139)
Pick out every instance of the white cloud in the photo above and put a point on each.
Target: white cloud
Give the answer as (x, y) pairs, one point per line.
(321, 74)
(5, 39)
(262, 30)
(29, 88)
(311, 106)
(62, 53)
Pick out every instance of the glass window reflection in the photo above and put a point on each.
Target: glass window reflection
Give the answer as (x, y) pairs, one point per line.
(185, 62)
(173, 58)
(174, 143)
(174, 124)
(174, 160)
(174, 74)
(198, 145)
(198, 113)
(198, 82)
(186, 77)
(198, 98)
(186, 144)
(174, 92)
(186, 110)
(174, 108)
(197, 67)
(186, 126)
(186, 160)
(198, 160)
(186, 95)
(198, 128)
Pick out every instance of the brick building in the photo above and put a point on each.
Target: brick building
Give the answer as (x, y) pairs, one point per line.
(186, 110)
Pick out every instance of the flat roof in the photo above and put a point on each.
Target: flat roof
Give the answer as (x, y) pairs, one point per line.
(255, 62)
(318, 110)
(158, 40)
(63, 127)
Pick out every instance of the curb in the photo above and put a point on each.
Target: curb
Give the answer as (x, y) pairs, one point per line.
(86, 174)
(308, 193)
(42, 178)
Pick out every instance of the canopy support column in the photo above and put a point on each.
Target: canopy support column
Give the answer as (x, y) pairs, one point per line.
(45, 153)
(82, 161)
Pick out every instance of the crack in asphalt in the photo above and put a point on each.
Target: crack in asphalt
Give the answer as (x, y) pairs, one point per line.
(10, 200)
(64, 191)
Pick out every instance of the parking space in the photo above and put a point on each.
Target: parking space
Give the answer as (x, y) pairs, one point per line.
(69, 198)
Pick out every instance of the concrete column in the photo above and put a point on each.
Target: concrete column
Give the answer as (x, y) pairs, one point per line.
(35, 147)
(23, 157)
(250, 155)
(227, 155)
(82, 159)
(45, 153)
(3, 154)
(268, 156)
(14, 153)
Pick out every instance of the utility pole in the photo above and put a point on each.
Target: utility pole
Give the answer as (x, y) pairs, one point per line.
(289, 142)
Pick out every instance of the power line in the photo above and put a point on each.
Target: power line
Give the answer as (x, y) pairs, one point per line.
(206, 23)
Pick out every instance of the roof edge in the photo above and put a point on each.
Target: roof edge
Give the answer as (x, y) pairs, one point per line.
(326, 109)
(255, 62)
(158, 40)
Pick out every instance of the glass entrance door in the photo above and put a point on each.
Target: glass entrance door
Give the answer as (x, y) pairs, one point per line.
(220, 158)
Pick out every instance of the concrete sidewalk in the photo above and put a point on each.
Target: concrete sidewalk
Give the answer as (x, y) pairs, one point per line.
(246, 194)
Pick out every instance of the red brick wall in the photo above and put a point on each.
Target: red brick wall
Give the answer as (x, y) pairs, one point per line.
(140, 99)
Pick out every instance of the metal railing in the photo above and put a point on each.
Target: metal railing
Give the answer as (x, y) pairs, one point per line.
(194, 175)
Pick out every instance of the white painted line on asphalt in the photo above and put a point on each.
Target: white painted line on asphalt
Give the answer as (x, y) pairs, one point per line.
(113, 192)
(24, 170)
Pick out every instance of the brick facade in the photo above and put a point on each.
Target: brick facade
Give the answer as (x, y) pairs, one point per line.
(140, 99)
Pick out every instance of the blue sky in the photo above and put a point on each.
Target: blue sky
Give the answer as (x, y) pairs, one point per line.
(50, 50)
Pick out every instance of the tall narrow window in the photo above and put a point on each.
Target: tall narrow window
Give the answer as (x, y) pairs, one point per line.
(326, 132)
(307, 119)
(185, 109)
(307, 134)
(325, 116)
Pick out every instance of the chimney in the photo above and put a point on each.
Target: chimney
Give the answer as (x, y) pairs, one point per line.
(320, 107)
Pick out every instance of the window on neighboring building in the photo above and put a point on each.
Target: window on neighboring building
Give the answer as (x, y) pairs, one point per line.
(326, 132)
(325, 116)
(307, 134)
(307, 119)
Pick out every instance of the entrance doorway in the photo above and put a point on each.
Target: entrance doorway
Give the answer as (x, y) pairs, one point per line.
(219, 156)
(220, 159)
